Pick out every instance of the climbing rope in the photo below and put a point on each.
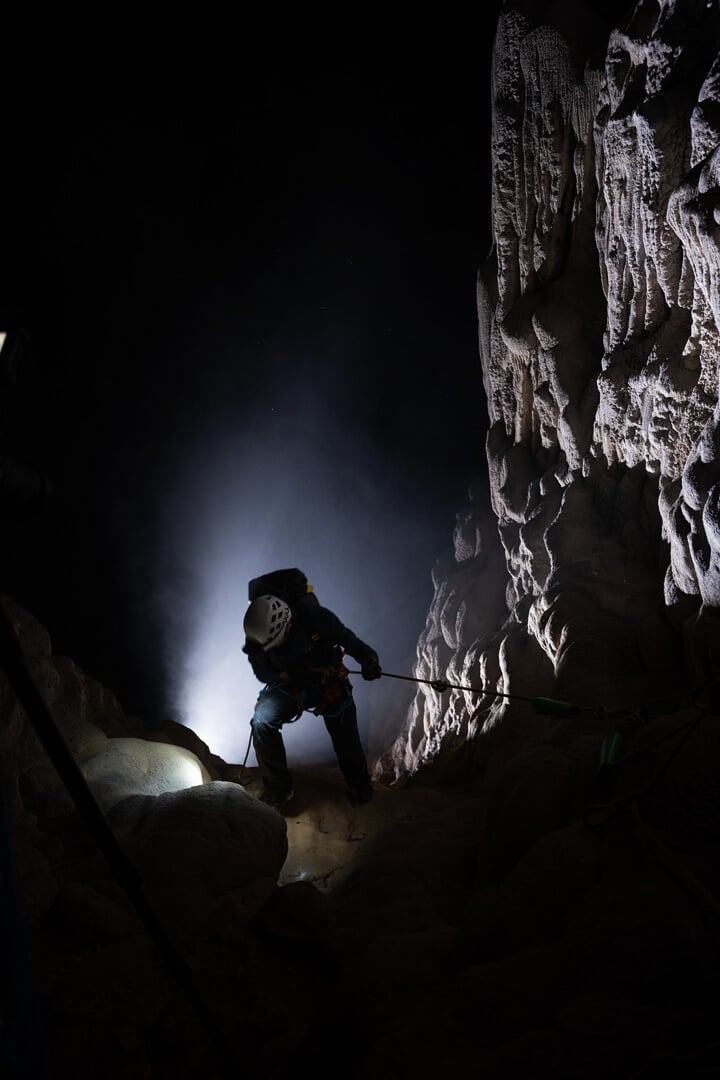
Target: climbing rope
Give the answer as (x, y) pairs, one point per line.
(545, 705)
(599, 814)
(610, 750)
(596, 813)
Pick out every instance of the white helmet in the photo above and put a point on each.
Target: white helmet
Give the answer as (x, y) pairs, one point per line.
(266, 621)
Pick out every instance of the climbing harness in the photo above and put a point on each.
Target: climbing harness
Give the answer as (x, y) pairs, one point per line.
(333, 691)
(334, 688)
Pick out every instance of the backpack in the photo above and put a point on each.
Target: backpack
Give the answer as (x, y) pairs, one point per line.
(292, 586)
(289, 585)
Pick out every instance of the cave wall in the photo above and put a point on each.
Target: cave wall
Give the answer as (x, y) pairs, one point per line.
(599, 339)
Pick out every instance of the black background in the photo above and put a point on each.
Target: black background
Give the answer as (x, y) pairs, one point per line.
(282, 250)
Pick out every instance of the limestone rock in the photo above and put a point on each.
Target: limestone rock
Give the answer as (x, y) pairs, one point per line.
(125, 767)
(207, 855)
(600, 348)
(512, 902)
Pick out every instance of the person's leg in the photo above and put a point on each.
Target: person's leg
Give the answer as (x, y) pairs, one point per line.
(273, 709)
(343, 730)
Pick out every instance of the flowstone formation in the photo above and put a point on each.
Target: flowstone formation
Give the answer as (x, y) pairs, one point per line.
(599, 330)
(517, 902)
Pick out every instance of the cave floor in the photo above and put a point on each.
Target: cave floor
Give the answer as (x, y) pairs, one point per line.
(325, 830)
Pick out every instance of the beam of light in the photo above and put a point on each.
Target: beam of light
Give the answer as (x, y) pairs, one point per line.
(246, 504)
(217, 689)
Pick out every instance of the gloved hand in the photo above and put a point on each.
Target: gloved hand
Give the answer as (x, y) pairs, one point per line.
(371, 668)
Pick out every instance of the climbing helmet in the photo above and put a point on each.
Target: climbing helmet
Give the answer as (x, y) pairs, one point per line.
(266, 621)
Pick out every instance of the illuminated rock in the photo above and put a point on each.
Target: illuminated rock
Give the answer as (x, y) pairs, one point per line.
(126, 767)
(533, 917)
(600, 345)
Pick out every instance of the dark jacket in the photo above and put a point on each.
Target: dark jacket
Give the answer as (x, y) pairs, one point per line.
(314, 644)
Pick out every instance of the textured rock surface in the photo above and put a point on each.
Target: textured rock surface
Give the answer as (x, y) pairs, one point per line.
(194, 838)
(600, 345)
(525, 899)
(469, 599)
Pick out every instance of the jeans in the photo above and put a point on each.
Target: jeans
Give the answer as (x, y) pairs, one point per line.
(277, 706)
